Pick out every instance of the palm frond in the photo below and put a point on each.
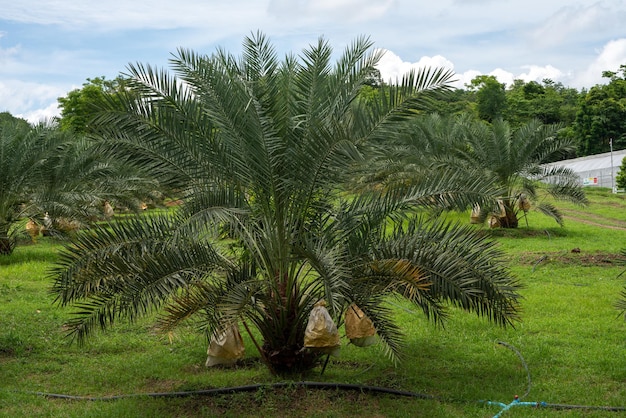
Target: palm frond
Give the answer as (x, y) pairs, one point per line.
(461, 267)
(332, 273)
(550, 210)
(221, 299)
(564, 184)
(127, 269)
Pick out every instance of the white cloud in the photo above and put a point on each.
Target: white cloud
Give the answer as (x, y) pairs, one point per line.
(220, 18)
(503, 76)
(567, 21)
(534, 73)
(7, 54)
(465, 78)
(392, 67)
(20, 98)
(613, 55)
(538, 73)
(41, 115)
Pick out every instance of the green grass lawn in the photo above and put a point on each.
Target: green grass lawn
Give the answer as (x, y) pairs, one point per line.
(568, 349)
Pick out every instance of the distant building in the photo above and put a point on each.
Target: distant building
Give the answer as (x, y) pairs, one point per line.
(595, 170)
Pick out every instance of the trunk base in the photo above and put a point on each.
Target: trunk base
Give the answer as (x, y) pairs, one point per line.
(7, 245)
(508, 221)
(290, 360)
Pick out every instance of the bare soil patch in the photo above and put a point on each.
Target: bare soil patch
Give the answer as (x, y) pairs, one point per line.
(573, 257)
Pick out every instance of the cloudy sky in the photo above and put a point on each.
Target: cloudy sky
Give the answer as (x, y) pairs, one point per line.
(49, 47)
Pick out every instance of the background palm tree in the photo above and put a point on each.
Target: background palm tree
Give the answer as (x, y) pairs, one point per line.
(511, 160)
(27, 156)
(258, 150)
(46, 170)
(515, 160)
(21, 149)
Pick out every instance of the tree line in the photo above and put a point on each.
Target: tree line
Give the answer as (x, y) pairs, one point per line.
(590, 117)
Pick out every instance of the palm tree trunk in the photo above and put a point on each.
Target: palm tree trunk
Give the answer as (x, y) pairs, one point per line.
(283, 342)
(509, 220)
(7, 242)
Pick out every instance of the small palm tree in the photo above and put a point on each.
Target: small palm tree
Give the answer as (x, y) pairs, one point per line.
(46, 170)
(25, 154)
(259, 150)
(513, 161)
(517, 161)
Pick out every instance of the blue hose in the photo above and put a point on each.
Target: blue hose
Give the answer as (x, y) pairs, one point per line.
(516, 402)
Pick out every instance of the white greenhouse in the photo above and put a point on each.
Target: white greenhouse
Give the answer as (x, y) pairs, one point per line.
(596, 170)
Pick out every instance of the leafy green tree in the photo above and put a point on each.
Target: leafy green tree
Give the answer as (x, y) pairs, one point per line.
(79, 106)
(259, 149)
(569, 99)
(490, 97)
(620, 179)
(602, 115)
(520, 109)
(548, 102)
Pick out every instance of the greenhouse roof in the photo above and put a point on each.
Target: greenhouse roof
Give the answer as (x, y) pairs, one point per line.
(592, 162)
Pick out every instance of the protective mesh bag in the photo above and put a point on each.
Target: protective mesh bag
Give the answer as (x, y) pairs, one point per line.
(359, 328)
(226, 347)
(321, 333)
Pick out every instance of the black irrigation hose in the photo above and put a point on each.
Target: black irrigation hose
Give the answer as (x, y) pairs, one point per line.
(598, 408)
(337, 386)
(519, 355)
(303, 384)
(246, 388)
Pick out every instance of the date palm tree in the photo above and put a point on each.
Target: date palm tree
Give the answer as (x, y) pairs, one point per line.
(515, 162)
(46, 170)
(28, 158)
(258, 150)
(21, 150)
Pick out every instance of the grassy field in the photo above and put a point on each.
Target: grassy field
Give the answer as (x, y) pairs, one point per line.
(568, 350)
